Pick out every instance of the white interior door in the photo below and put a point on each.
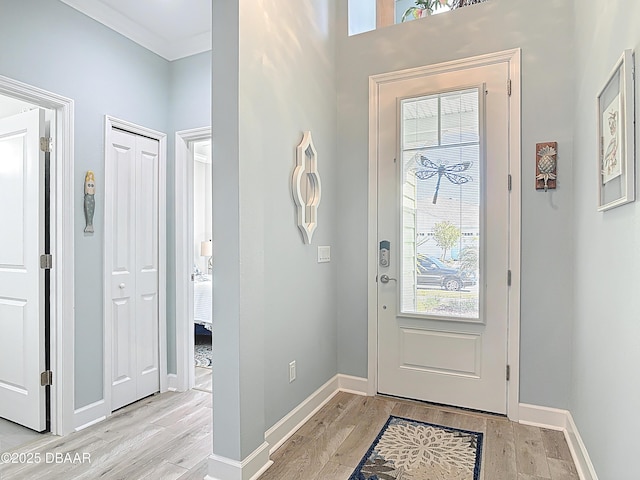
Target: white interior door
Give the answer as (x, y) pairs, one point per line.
(22, 315)
(132, 221)
(443, 206)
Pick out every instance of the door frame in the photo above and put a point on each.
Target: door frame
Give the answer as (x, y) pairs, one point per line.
(62, 291)
(184, 378)
(512, 59)
(110, 123)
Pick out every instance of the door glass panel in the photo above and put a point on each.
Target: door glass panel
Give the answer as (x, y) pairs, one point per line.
(440, 151)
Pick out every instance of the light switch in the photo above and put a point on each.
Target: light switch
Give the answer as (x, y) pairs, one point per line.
(324, 254)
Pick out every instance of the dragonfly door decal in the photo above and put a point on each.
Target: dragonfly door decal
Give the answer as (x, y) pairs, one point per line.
(451, 172)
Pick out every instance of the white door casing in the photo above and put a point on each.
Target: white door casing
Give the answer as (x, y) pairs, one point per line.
(135, 319)
(469, 369)
(184, 215)
(62, 288)
(22, 313)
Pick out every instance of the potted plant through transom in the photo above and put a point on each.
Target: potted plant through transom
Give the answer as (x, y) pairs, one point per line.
(425, 8)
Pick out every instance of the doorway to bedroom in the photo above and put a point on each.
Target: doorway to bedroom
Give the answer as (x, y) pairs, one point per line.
(202, 264)
(194, 261)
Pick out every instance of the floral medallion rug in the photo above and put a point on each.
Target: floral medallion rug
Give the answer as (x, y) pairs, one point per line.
(411, 450)
(203, 353)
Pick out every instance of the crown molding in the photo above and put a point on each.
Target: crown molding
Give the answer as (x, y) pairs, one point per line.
(170, 50)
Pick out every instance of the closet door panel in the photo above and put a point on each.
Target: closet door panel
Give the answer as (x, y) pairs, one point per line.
(146, 214)
(122, 158)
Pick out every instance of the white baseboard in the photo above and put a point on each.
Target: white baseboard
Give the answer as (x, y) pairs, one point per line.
(350, 384)
(89, 415)
(557, 419)
(290, 423)
(579, 451)
(222, 468)
(544, 417)
(172, 382)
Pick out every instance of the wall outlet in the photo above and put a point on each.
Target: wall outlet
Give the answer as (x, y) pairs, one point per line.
(324, 254)
(292, 371)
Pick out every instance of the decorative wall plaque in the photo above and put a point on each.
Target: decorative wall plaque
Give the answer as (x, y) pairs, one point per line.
(546, 165)
(306, 188)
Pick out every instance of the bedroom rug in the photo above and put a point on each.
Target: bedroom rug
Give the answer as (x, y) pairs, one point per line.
(203, 354)
(411, 450)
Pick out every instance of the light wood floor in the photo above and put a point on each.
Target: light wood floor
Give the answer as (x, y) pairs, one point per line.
(333, 442)
(13, 435)
(164, 437)
(204, 379)
(168, 437)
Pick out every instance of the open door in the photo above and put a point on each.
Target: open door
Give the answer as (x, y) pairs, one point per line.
(22, 312)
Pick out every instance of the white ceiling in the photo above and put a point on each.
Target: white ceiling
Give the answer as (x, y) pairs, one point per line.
(171, 28)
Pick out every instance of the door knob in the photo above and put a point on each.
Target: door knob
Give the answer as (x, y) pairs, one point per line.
(122, 285)
(386, 278)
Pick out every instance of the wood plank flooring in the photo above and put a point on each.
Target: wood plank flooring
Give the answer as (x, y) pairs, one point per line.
(204, 379)
(13, 435)
(334, 441)
(168, 437)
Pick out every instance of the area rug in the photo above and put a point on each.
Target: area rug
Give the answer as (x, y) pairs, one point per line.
(411, 450)
(203, 353)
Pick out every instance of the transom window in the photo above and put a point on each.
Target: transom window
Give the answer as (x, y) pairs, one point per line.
(366, 15)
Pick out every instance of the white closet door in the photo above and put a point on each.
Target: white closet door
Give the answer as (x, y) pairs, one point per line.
(122, 159)
(22, 354)
(146, 215)
(133, 227)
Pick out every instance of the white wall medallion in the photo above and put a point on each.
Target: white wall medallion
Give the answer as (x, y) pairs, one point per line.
(305, 187)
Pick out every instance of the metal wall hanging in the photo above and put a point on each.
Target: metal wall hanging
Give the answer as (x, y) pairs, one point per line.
(546, 165)
(450, 172)
(89, 200)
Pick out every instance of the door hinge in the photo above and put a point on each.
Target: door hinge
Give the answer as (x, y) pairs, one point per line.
(509, 182)
(509, 278)
(193, 277)
(46, 378)
(508, 372)
(509, 87)
(46, 261)
(46, 144)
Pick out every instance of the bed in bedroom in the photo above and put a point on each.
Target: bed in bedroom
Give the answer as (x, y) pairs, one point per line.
(202, 305)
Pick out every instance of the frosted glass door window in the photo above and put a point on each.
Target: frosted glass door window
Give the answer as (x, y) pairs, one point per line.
(441, 205)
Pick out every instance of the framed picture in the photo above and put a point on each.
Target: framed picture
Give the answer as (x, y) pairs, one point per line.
(616, 153)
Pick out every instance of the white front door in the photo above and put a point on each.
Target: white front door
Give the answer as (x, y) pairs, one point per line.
(132, 253)
(443, 208)
(22, 314)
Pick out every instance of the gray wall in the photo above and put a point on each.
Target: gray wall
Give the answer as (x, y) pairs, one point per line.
(56, 48)
(190, 92)
(189, 107)
(547, 100)
(605, 392)
(274, 303)
(292, 90)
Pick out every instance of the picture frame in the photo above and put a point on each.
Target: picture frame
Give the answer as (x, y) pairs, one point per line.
(616, 136)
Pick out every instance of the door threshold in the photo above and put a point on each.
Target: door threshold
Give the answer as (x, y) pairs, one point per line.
(454, 408)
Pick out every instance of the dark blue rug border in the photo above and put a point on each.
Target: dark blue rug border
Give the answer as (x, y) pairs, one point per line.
(479, 435)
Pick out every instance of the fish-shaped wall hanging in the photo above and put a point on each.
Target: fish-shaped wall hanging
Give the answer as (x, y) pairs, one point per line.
(89, 200)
